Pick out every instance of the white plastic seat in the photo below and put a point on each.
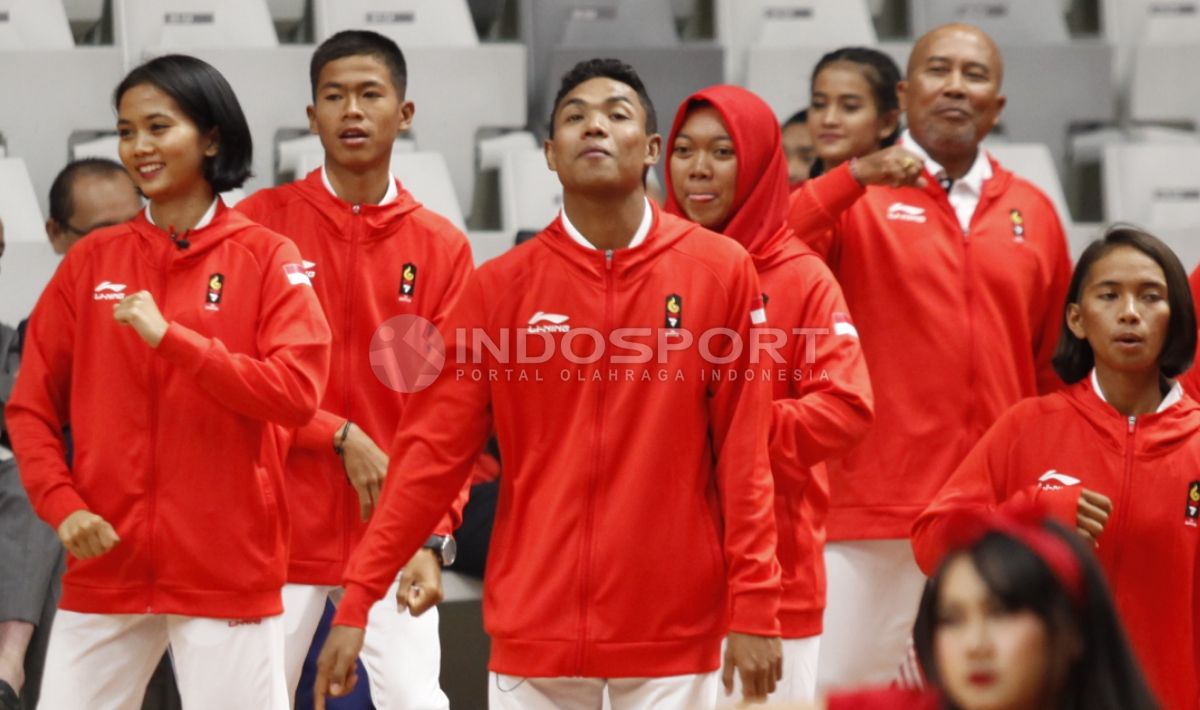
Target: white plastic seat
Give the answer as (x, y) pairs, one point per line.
(746, 24)
(1153, 185)
(34, 24)
(1006, 21)
(530, 193)
(147, 27)
(1033, 162)
(410, 23)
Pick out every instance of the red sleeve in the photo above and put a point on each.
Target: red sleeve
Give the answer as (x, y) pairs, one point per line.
(40, 401)
(463, 265)
(815, 207)
(285, 382)
(978, 482)
(738, 412)
(1047, 332)
(835, 406)
(440, 436)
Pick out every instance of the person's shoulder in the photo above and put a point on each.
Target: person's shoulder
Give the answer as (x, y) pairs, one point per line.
(718, 251)
(436, 227)
(268, 201)
(1023, 190)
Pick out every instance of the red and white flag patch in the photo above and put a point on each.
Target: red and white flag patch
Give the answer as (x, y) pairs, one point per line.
(758, 311)
(842, 325)
(296, 275)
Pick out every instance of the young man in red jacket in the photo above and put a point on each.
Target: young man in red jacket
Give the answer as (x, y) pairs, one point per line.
(956, 288)
(635, 524)
(374, 254)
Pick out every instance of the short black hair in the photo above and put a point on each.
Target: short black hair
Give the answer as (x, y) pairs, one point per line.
(1074, 359)
(614, 69)
(1102, 675)
(800, 116)
(206, 98)
(355, 43)
(62, 190)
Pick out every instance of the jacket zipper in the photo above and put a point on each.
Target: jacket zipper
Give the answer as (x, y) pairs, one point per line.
(1118, 509)
(597, 469)
(348, 367)
(969, 296)
(154, 377)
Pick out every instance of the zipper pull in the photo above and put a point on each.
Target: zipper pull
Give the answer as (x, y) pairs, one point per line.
(356, 209)
(608, 256)
(1132, 423)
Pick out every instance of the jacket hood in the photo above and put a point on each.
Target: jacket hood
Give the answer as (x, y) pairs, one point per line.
(758, 220)
(380, 220)
(156, 241)
(1156, 433)
(665, 231)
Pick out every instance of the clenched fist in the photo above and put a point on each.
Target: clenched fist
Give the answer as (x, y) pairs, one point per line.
(140, 311)
(86, 534)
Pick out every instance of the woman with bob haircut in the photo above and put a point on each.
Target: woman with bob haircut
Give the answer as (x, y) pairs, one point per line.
(1116, 455)
(176, 345)
(1017, 617)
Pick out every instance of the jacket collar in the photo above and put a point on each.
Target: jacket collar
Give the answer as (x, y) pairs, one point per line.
(639, 236)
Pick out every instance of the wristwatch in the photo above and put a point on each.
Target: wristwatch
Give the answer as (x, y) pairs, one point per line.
(444, 546)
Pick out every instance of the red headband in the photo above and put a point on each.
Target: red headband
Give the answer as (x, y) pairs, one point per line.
(1023, 523)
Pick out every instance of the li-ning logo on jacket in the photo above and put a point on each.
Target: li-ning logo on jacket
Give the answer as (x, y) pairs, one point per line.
(108, 291)
(1053, 480)
(543, 322)
(899, 211)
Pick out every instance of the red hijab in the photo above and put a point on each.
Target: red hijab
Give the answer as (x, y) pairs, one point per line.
(758, 218)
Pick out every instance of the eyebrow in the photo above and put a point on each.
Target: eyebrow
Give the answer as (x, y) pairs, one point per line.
(722, 137)
(610, 100)
(340, 85)
(154, 115)
(1140, 284)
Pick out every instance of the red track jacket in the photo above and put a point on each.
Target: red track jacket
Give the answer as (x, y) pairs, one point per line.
(175, 445)
(368, 263)
(1049, 449)
(634, 527)
(956, 328)
(822, 397)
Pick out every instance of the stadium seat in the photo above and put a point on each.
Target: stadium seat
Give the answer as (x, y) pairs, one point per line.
(411, 23)
(591, 26)
(1006, 21)
(29, 261)
(148, 27)
(1167, 48)
(34, 24)
(530, 193)
(1153, 185)
(671, 74)
(40, 136)
(1033, 162)
(743, 25)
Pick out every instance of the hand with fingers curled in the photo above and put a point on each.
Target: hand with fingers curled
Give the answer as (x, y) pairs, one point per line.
(87, 535)
(758, 660)
(420, 583)
(366, 468)
(336, 669)
(893, 166)
(1092, 513)
(141, 312)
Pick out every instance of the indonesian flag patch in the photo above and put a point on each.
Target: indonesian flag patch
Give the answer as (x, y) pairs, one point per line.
(758, 311)
(295, 275)
(842, 325)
